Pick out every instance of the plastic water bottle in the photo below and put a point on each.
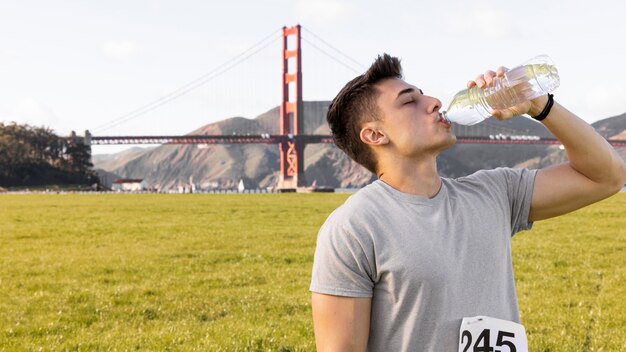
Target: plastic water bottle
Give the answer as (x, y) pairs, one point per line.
(527, 81)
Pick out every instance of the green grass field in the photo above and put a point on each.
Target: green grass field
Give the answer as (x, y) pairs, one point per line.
(231, 273)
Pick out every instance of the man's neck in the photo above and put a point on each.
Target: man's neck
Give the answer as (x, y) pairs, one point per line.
(418, 178)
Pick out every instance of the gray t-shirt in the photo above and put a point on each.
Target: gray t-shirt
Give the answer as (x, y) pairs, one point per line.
(426, 262)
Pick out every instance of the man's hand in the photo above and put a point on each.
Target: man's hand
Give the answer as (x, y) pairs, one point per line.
(532, 108)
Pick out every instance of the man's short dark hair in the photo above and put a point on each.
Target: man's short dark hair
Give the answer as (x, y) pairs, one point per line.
(355, 104)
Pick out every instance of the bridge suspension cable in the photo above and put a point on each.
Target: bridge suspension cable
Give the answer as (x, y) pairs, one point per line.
(340, 61)
(334, 48)
(198, 82)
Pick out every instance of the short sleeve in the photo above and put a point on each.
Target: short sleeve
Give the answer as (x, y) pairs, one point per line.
(341, 266)
(512, 188)
(519, 187)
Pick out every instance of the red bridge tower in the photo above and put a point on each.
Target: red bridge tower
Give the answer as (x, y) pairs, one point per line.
(291, 113)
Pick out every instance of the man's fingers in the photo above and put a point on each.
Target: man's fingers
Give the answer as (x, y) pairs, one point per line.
(480, 81)
(506, 114)
(502, 114)
(489, 75)
(486, 79)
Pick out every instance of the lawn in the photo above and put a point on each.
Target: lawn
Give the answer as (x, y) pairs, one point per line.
(225, 272)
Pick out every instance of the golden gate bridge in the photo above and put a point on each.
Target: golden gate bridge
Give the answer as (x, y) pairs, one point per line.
(291, 138)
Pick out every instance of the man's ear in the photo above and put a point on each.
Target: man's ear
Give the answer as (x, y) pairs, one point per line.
(372, 135)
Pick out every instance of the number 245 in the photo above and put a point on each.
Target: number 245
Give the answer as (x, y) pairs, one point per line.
(482, 342)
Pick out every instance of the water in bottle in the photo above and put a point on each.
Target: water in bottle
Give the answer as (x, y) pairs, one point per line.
(528, 81)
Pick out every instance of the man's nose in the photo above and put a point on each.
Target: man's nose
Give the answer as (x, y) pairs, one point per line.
(434, 105)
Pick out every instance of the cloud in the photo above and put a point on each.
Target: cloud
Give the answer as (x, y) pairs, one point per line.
(7, 56)
(484, 20)
(121, 50)
(156, 6)
(29, 110)
(320, 11)
(604, 100)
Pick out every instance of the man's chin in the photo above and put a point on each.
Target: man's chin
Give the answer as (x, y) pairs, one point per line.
(449, 143)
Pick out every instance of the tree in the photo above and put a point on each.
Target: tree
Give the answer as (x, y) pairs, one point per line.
(32, 156)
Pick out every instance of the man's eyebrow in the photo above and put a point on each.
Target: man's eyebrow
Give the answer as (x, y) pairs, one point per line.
(405, 91)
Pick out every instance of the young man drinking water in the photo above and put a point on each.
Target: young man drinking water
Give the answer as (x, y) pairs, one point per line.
(410, 261)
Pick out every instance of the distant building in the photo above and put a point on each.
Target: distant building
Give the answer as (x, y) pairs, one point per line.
(129, 185)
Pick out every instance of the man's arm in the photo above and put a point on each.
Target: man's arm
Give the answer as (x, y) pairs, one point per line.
(594, 171)
(341, 323)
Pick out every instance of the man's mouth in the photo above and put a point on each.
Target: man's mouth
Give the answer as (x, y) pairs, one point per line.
(444, 120)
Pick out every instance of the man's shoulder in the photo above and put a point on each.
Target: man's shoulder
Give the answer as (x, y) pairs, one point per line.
(500, 174)
(363, 196)
(495, 183)
(359, 204)
(486, 174)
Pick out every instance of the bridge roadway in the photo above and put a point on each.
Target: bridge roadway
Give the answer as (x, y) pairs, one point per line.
(307, 139)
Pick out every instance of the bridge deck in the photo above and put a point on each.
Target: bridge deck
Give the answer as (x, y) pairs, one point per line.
(307, 139)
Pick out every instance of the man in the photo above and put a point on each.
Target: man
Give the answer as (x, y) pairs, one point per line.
(405, 259)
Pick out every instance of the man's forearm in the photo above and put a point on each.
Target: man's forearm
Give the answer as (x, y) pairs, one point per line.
(588, 152)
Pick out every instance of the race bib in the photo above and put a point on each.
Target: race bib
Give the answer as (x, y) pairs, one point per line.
(485, 334)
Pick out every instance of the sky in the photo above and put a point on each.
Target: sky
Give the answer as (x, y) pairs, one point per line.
(78, 65)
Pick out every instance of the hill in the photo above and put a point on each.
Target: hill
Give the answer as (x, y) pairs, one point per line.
(223, 166)
(611, 127)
